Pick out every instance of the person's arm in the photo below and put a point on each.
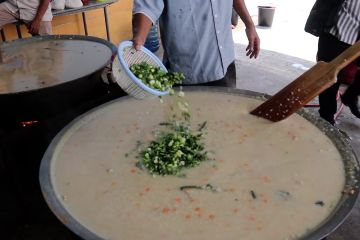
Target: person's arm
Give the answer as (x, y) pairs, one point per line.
(253, 48)
(34, 25)
(145, 14)
(141, 27)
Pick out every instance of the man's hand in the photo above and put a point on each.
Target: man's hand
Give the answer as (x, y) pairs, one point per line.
(34, 27)
(138, 42)
(253, 48)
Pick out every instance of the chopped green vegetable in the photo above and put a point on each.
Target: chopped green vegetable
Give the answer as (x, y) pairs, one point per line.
(253, 195)
(140, 166)
(202, 126)
(173, 150)
(138, 145)
(182, 175)
(178, 146)
(285, 195)
(207, 187)
(155, 77)
(182, 188)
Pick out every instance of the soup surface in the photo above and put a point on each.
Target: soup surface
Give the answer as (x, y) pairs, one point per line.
(45, 63)
(270, 181)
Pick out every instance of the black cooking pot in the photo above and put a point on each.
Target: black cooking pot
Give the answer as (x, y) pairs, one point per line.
(68, 83)
(44, 76)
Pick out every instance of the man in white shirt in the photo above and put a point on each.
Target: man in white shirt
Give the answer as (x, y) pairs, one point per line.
(36, 14)
(196, 36)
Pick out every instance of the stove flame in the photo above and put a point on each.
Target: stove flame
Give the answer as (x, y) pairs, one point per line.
(28, 123)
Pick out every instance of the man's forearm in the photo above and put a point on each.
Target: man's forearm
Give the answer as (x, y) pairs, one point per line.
(253, 48)
(141, 26)
(241, 9)
(43, 6)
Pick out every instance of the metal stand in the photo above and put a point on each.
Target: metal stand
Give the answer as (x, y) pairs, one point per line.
(18, 30)
(85, 24)
(3, 37)
(91, 6)
(107, 23)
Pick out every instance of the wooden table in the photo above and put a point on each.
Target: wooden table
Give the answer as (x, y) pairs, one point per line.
(93, 4)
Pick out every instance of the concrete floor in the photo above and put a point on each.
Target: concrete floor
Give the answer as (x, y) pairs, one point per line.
(287, 52)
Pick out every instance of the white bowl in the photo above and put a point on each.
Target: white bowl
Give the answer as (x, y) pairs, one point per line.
(127, 56)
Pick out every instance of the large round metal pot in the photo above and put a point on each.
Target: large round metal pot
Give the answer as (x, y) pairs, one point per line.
(342, 210)
(45, 76)
(36, 105)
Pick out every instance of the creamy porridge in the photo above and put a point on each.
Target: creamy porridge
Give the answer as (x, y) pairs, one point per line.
(45, 63)
(272, 181)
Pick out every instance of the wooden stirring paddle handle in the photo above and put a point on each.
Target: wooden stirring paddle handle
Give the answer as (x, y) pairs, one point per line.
(346, 57)
(306, 87)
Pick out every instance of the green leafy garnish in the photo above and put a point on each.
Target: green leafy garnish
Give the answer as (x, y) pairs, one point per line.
(253, 194)
(155, 77)
(320, 203)
(173, 150)
(207, 187)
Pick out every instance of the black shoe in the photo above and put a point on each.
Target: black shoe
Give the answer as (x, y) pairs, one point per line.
(328, 118)
(352, 103)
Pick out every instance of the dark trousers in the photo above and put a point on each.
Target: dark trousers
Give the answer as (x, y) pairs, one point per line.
(330, 47)
(229, 80)
(353, 91)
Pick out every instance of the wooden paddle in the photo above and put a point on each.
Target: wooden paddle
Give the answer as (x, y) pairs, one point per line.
(306, 87)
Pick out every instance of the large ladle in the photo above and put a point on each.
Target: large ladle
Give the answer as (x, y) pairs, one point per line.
(306, 87)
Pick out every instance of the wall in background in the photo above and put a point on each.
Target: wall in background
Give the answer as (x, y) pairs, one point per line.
(119, 13)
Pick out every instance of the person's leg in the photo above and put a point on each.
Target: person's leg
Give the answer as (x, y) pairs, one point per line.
(351, 96)
(229, 80)
(230, 76)
(6, 16)
(328, 103)
(328, 48)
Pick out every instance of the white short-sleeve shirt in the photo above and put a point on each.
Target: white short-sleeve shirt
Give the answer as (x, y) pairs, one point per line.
(196, 35)
(28, 9)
